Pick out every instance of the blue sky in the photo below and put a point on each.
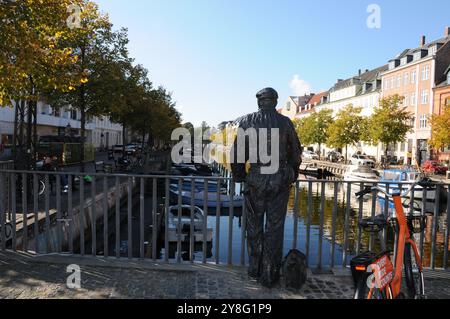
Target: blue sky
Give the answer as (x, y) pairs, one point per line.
(214, 55)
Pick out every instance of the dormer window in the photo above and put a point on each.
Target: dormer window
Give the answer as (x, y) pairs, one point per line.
(448, 78)
(393, 64)
(420, 54)
(434, 48)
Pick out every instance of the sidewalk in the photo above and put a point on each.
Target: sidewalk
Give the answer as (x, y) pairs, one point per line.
(22, 276)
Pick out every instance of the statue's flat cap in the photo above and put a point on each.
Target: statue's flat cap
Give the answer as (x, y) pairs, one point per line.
(267, 93)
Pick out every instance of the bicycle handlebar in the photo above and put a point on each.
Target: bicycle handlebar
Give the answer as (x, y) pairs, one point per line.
(423, 182)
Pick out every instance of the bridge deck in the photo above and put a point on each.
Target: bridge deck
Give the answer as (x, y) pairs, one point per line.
(26, 276)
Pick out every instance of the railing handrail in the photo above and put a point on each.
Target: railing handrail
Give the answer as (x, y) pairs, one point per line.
(441, 183)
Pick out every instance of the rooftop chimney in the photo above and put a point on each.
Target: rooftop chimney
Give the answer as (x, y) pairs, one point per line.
(422, 41)
(359, 72)
(447, 31)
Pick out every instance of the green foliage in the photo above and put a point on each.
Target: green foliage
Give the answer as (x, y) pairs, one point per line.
(390, 122)
(141, 108)
(440, 129)
(348, 127)
(34, 55)
(314, 129)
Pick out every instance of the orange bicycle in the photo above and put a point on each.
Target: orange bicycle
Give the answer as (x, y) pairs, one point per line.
(374, 274)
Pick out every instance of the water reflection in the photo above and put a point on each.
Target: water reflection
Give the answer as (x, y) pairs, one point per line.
(309, 226)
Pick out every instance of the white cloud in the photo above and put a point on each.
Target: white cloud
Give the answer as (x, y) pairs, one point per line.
(299, 87)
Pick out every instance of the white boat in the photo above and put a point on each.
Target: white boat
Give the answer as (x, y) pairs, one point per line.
(360, 173)
(199, 196)
(184, 223)
(394, 176)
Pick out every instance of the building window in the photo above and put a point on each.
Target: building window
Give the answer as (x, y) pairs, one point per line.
(406, 101)
(288, 106)
(425, 73)
(413, 77)
(406, 78)
(402, 147)
(73, 114)
(386, 84)
(399, 81)
(447, 101)
(424, 96)
(433, 49)
(413, 99)
(423, 121)
(448, 78)
(56, 112)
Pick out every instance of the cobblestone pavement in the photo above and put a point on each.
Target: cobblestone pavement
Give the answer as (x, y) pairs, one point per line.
(24, 277)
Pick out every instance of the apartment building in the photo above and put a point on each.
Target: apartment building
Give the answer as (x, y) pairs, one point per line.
(106, 133)
(101, 132)
(361, 90)
(309, 108)
(442, 99)
(413, 74)
(294, 104)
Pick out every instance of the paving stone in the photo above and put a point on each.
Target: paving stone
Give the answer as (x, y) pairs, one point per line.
(20, 279)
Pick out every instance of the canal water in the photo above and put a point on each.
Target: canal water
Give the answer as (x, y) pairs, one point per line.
(305, 225)
(313, 228)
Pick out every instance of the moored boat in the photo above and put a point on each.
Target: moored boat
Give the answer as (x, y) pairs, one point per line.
(360, 173)
(199, 196)
(180, 218)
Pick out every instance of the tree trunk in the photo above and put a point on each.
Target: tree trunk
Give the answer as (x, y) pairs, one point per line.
(82, 108)
(16, 121)
(124, 137)
(82, 126)
(144, 133)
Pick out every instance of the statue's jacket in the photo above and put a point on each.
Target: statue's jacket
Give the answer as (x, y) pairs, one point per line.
(289, 149)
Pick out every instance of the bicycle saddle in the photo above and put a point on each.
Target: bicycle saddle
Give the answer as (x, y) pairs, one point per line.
(376, 223)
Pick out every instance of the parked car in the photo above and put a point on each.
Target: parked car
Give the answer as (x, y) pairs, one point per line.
(434, 167)
(118, 148)
(130, 149)
(310, 155)
(361, 160)
(371, 157)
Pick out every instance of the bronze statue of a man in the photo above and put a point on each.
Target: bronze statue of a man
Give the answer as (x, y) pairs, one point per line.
(266, 194)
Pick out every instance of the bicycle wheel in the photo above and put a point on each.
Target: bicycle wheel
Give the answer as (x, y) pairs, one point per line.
(41, 186)
(413, 275)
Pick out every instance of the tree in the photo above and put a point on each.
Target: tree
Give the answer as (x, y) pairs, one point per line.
(97, 48)
(139, 107)
(347, 128)
(390, 122)
(34, 57)
(33, 54)
(440, 132)
(314, 129)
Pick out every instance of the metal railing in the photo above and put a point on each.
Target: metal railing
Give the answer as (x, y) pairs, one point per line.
(157, 217)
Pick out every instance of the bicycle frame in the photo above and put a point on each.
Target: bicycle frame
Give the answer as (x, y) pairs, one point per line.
(388, 274)
(404, 237)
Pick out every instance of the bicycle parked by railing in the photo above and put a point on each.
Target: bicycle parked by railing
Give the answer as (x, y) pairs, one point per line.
(375, 275)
